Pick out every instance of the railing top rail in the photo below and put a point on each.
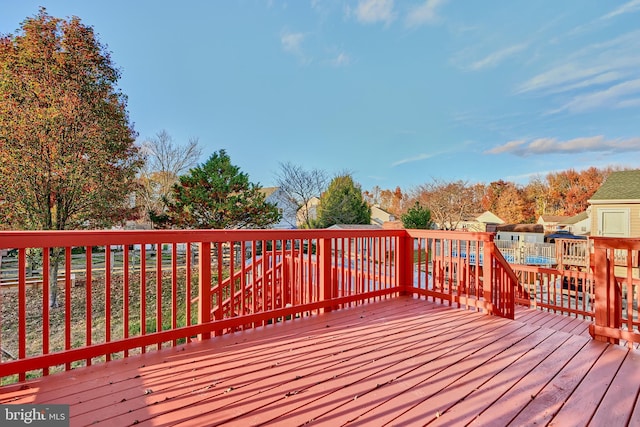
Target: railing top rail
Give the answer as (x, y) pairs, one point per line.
(452, 235)
(631, 243)
(61, 238)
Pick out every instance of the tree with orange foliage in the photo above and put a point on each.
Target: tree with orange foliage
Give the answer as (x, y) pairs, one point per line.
(68, 153)
(570, 190)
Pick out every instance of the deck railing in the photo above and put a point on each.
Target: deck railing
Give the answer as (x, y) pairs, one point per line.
(463, 269)
(125, 292)
(569, 292)
(617, 290)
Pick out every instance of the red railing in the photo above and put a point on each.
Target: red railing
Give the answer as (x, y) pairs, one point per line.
(125, 292)
(617, 288)
(462, 269)
(556, 290)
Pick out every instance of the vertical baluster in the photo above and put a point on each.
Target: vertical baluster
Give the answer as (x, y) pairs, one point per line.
(45, 304)
(125, 296)
(107, 297)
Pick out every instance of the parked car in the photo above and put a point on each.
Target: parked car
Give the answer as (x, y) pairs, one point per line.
(562, 234)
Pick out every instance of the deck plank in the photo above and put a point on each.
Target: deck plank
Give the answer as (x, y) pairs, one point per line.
(622, 395)
(401, 393)
(375, 371)
(584, 401)
(481, 398)
(545, 404)
(301, 382)
(230, 377)
(397, 361)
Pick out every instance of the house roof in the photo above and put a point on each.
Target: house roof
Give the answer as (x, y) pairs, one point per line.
(267, 191)
(521, 228)
(621, 185)
(354, 227)
(551, 218)
(576, 218)
(486, 217)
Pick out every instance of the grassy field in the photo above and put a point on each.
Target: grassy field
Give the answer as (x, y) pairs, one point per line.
(78, 313)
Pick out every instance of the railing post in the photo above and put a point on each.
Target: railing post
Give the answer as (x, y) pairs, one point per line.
(204, 285)
(404, 263)
(324, 266)
(607, 304)
(487, 274)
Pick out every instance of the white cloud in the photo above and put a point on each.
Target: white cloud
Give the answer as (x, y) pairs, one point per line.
(628, 103)
(592, 65)
(599, 79)
(495, 58)
(542, 146)
(292, 42)
(612, 97)
(417, 158)
(372, 11)
(629, 7)
(342, 60)
(424, 13)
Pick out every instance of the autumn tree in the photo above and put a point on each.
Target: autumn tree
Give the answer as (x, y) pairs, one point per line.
(67, 147)
(449, 202)
(389, 200)
(217, 194)
(297, 187)
(165, 161)
(537, 196)
(570, 190)
(342, 203)
(506, 200)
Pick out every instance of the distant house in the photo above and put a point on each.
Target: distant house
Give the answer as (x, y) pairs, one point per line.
(580, 224)
(524, 233)
(379, 216)
(308, 211)
(615, 207)
(479, 221)
(551, 223)
(276, 196)
(355, 227)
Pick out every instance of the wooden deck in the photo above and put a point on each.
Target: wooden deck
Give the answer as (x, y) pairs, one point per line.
(400, 361)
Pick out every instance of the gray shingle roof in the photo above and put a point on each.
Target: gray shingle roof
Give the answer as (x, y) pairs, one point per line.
(622, 185)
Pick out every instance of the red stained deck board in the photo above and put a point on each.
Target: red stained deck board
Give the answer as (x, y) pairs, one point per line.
(424, 404)
(518, 395)
(318, 392)
(201, 390)
(548, 402)
(617, 405)
(397, 360)
(483, 397)
(272, 390)
(584, 401)
(214, 380)
(399, 393)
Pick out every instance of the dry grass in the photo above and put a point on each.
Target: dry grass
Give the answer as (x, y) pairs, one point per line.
(9, 339)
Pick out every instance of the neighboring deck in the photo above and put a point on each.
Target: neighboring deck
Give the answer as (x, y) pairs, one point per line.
(400, 361)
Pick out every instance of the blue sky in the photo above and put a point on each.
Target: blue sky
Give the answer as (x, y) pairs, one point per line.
(396, 92)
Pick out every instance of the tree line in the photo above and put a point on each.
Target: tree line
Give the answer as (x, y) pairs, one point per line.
(562, 193)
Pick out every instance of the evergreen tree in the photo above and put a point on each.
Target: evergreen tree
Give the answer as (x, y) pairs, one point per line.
(342, 203)
(217, 195)
(417, 217)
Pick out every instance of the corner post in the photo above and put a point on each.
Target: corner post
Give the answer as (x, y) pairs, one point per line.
(404, 263)
(487, 274)
(607, 303)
